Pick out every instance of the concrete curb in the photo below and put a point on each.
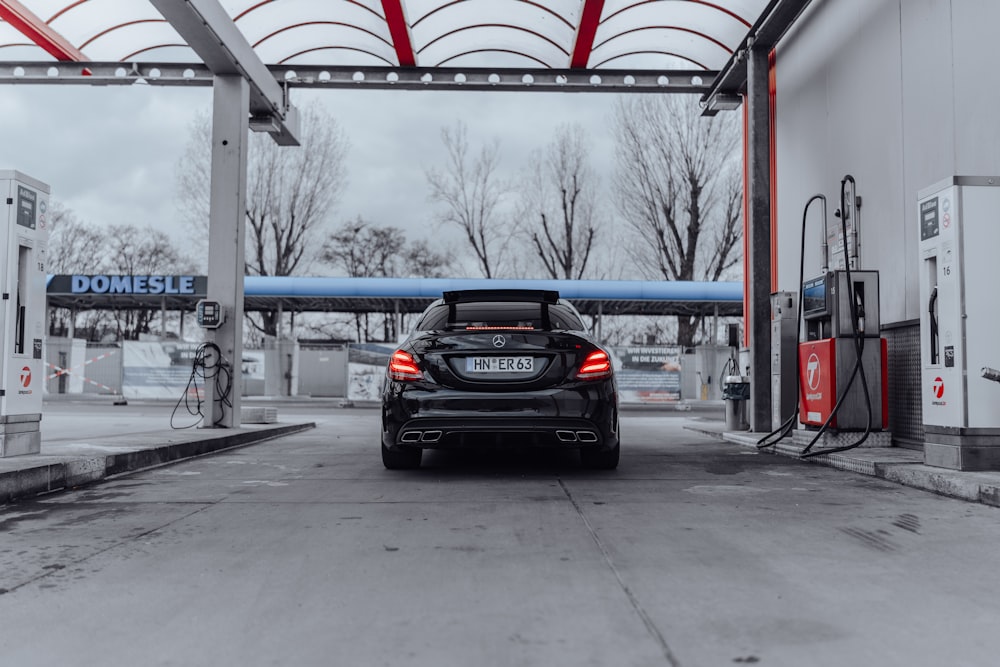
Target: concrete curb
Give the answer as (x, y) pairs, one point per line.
(49, 473)
(901, 466)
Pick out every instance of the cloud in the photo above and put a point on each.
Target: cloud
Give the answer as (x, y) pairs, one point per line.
(110, 153)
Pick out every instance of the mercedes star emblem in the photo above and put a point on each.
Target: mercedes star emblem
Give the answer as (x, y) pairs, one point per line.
(499, 341)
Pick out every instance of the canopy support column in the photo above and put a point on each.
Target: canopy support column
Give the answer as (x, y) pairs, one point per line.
(759, 229)
(226, 240)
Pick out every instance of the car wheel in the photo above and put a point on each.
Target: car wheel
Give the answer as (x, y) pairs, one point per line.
(601, 459)
(401, 459)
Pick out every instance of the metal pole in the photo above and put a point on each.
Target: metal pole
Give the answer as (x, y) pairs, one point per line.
(227, 238)
(398, 318)
(715, 326)
(278, 321)
(759, 223)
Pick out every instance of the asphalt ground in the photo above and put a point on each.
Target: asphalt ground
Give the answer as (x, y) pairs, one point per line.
(88, 440)
(304, 550)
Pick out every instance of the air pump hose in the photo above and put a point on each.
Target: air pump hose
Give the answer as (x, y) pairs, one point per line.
(208, 365)
(859, 344)
(789, 424)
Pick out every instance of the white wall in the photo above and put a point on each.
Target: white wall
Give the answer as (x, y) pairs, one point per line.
(898, 93)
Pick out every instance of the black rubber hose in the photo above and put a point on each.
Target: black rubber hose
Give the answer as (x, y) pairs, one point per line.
(859, 344)
(789, 424)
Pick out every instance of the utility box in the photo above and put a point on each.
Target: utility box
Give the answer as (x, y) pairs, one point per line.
(959, 320)
(784, 352)
(24, 228)
(736, 394)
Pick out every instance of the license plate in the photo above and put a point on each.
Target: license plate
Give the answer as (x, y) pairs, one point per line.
(499, 364)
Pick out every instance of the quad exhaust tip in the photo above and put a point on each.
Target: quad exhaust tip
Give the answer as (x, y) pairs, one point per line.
(576, 436)
(420, 436)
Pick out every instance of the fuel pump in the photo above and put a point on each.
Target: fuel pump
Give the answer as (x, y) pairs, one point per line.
(959, 316)
(24, 229)
(842, 360)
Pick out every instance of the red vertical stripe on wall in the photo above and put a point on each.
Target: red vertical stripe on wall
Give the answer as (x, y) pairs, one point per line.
(772, 90)
(746, 227)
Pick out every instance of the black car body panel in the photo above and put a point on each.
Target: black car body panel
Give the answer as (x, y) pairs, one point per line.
(508, 376)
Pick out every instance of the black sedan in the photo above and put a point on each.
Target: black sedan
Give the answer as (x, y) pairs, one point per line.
(500, 368)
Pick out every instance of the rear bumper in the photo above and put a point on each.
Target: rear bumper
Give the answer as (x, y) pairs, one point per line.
(584, 416)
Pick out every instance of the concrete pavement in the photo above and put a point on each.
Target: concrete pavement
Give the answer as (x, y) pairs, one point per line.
(89, 441)
(894, 464)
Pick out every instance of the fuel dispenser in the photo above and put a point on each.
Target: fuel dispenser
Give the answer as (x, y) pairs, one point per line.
(959, 314)
(841, 371)
(836, 390)
(22, 314)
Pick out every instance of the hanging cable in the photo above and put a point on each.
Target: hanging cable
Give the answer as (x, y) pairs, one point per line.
(857, 328)
(729, 368)
(208, 366)
(789, 424)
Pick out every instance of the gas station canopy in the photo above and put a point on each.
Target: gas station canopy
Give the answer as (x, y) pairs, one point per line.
(478, 44)
(387, 295)
(559, 34)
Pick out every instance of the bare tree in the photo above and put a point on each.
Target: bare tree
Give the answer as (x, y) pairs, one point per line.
(422, 261)
(365, 250)
(73, 244)
(471, 192)
(132, 250)
(72, 249)
(558, 210)
(678, 186)
(291, 193)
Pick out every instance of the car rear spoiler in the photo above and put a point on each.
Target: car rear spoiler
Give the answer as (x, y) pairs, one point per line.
(534, 295)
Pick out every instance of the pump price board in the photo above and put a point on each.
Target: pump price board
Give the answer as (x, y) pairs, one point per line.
(27, 202)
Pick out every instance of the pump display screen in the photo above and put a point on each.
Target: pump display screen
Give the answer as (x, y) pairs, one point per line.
(929, 219)
(814, 295)
(26, 202)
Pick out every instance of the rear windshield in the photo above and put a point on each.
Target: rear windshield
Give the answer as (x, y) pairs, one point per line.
(500, 314)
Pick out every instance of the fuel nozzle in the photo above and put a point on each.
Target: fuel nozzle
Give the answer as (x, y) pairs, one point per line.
(860, 310)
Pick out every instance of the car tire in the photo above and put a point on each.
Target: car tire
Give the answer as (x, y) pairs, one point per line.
(401, 459)
(601, 459)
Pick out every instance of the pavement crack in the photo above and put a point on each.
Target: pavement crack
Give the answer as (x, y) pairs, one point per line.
(50, 570)
(633, 600)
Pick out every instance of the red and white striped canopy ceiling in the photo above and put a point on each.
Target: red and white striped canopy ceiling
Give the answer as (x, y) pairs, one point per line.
(557, 34)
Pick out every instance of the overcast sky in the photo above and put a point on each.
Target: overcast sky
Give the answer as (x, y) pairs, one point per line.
(111, 153)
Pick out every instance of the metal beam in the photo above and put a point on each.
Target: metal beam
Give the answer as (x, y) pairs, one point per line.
(39, 32)
(212, 34)
(776, 19)
(357, 78)
(590, 18)
(395, 18)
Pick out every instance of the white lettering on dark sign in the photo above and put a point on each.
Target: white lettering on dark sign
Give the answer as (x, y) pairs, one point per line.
(132, 284)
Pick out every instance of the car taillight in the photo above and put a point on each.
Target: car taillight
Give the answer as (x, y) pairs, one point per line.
(596, 366)
(403, 367)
